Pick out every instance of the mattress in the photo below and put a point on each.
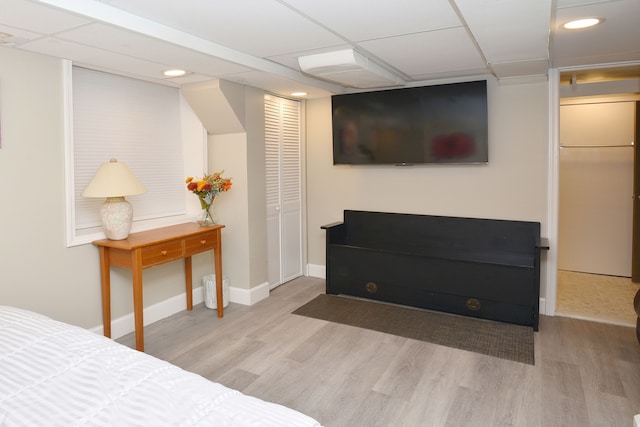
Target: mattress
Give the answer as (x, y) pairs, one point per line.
(55, 374)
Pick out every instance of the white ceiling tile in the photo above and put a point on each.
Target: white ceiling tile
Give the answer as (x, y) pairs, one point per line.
(257, 42)
(100, 58)
(570, 3)
(12, 36)
(360, 20)
(430, 52)
(37, 18)
(509, 30)
(139, 46)
(620, 29)
(258, 27)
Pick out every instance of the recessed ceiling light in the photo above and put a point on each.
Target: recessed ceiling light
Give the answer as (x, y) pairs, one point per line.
(582, 23)
(174, 73)
(299, 94)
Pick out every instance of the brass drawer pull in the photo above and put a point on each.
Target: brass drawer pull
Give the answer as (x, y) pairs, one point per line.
(473, 304)
(372, 288)
(163, 253)
(203, 242)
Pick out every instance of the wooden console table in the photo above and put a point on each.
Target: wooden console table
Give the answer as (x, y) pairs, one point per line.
(154, 247)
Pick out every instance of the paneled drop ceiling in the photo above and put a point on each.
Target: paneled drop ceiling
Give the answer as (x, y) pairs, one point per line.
(258, 42)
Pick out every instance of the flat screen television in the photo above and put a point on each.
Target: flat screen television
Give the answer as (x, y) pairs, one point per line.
(430, 124)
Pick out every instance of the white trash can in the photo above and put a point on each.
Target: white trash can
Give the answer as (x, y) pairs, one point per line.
(209, 287)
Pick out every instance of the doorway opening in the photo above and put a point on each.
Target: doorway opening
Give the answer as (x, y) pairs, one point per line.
(596, 176)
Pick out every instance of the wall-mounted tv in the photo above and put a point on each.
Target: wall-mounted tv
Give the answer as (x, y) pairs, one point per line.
(429, 124)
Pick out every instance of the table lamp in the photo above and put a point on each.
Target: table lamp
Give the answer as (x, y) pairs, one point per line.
(114, 180)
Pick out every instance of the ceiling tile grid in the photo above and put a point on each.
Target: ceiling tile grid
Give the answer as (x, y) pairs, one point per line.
(258, 42)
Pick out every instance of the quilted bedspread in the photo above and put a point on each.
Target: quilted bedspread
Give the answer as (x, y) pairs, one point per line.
(55, 374)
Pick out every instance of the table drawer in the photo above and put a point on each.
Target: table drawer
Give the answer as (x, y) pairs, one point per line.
(162, 252)
(203, 242)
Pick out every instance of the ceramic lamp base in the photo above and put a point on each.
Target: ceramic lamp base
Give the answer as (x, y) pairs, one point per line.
(116, 214)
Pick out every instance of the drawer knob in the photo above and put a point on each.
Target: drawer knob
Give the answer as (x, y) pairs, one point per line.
(163, 252)
(203, 242)
(473, 304)
(372, 288)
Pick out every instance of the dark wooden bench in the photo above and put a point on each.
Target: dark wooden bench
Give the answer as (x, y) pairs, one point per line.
(483, 268)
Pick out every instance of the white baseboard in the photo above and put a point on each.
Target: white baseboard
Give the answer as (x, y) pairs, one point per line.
(315, 270)
(249, 296)
(125, 325)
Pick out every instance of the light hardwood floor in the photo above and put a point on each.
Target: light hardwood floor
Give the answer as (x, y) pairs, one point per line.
(585, 374)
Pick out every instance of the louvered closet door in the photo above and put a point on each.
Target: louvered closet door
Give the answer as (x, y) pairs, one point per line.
(284, 190)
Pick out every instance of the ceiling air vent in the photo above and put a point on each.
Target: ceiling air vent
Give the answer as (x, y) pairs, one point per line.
(349, 68)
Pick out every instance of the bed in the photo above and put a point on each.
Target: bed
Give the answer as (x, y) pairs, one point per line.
(56, 374)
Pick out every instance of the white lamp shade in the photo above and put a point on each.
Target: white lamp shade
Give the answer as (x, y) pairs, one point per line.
(113, 179)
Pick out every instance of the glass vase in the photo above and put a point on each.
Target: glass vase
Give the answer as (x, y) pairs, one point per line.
(208, 216)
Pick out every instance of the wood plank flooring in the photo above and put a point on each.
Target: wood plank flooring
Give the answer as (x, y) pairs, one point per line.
(586, 373)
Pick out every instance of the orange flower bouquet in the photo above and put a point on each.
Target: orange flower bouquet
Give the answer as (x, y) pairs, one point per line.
(207, 188)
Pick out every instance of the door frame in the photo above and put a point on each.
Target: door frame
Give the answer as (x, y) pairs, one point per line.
(553, 189)
(553, 184)
(301, 211)
(635, 251)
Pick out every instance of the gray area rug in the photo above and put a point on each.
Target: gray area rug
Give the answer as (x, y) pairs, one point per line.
(503, 340)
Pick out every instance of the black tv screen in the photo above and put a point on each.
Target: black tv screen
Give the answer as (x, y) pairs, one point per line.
(429, 124)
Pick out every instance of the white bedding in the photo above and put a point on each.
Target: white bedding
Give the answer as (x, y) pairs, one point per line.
(54, 374)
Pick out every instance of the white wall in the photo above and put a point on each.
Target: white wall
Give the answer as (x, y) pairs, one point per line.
(243, 209)
(512, 186)
(37, 270)
(229, 152)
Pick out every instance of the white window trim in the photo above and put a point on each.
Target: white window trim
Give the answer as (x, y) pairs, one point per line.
(194, 162)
